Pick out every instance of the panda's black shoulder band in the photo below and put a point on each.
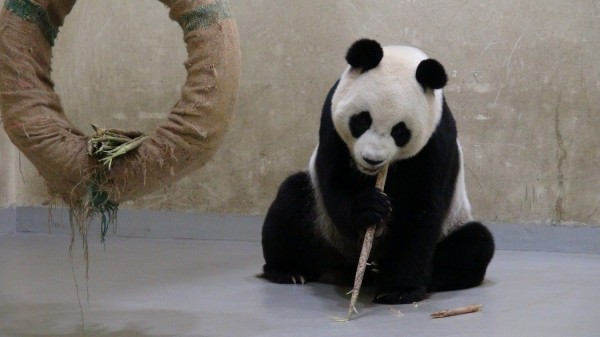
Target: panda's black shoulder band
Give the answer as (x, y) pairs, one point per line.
(431, 74)
(365, 54)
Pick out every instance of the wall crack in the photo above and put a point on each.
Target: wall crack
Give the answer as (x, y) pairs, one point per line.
(561, 155)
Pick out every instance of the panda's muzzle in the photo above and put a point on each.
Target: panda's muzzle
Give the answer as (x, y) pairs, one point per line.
(373, 166)
(372, 162)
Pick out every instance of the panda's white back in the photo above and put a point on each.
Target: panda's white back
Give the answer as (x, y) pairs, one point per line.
(459, 212)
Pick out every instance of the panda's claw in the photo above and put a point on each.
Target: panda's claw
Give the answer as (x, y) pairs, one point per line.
(285, 276)
(297, 279)
(402, 295)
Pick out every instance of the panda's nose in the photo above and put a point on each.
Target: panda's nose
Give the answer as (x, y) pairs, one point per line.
(372, 162)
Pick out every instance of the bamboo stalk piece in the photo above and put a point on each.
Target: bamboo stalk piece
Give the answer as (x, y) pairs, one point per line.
(457, 311)
(364, 255)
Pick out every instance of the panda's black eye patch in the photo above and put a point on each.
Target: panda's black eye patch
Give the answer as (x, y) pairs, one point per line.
(401, 134)
(360, 123)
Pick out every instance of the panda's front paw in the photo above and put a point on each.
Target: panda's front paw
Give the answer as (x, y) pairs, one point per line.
(371, 207)
(401, 295)
(284, 277)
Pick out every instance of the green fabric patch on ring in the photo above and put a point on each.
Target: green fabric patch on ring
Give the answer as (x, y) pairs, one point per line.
(205, 16)
(33, 12)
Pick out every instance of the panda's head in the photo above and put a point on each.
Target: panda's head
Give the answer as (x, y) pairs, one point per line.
(387, 104)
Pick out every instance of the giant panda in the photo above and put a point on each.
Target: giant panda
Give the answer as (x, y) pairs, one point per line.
(387, 109)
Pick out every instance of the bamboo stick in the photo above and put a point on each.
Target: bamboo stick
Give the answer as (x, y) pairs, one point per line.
(364, 254)
(457, 311)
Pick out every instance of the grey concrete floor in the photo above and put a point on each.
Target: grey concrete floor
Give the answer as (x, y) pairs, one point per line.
(167, 287)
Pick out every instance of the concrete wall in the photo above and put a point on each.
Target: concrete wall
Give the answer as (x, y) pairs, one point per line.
(8, 166)
(524, 88)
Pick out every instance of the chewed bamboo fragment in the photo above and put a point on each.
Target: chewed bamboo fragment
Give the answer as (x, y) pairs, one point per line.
(364, 254)
(457, 311)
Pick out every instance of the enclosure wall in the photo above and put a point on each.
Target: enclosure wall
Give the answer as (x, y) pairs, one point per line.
(524, 86)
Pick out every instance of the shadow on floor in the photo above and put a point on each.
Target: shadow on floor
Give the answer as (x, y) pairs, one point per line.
(53, 319)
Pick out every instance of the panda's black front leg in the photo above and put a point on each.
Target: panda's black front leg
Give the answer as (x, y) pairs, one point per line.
(352, 213)
(392, 289)
(370, 207)
(404, 259)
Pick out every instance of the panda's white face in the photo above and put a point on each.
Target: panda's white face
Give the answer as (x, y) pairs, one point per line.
(384, 114)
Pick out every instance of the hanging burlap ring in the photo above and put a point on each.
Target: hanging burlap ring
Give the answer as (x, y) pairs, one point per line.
(193, 130)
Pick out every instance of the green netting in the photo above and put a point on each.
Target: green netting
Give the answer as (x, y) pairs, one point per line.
(33, 12)
(204, 16)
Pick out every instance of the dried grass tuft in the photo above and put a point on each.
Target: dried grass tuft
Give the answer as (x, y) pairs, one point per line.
(105, 145)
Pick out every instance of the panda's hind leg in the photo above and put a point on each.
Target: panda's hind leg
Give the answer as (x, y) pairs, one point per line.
(290, 248)
(461, 259)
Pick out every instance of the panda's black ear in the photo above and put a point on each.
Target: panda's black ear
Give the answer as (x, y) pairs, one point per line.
(431, 74)
(365, 54)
